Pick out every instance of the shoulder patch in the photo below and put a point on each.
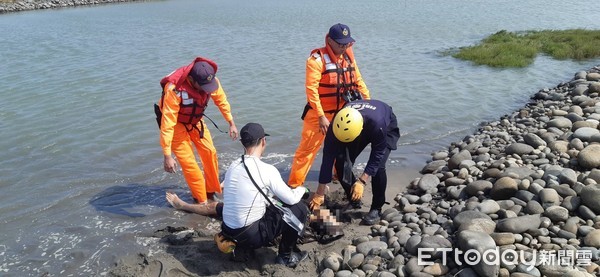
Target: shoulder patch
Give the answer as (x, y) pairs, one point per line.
(316, 56)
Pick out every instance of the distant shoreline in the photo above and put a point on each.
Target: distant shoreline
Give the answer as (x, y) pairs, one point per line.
(20, 6)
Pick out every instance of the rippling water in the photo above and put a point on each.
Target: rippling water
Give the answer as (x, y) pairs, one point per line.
(81, 170)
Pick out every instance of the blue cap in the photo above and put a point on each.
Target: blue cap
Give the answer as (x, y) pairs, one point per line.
(204, 74)
(340, 33)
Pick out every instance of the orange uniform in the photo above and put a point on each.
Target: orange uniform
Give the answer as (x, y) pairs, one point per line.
(182, 126)
(328, 77)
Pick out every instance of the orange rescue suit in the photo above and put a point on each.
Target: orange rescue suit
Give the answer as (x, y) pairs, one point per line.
(327, 77)
(182, 126)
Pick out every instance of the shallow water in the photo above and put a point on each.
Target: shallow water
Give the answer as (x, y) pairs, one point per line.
(81, 172)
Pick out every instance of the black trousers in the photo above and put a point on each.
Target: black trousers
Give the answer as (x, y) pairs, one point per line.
(270, 226)
(378, 181)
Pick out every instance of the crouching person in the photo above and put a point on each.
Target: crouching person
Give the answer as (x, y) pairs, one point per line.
(258, 206)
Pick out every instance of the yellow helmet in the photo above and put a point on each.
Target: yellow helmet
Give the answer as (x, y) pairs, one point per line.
(347, 124)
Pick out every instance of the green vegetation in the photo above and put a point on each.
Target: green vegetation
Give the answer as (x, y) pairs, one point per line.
(508, 49)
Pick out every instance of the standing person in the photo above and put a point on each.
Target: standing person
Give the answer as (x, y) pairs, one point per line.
(357, 125)
(332, 79)
(186, 92)
(248, 216)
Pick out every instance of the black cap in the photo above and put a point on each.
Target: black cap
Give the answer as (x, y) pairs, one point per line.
(251, 132)
(204, 74)
(340, 33)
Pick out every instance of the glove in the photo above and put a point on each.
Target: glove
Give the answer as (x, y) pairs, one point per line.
(357, 190)
(316, 201)
(226, 246)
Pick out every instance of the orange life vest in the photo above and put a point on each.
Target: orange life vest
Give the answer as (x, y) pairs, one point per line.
(193, 102)
(336, 79)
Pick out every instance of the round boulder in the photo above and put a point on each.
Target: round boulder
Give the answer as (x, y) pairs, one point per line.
(504, 188)
(590, 196)
(589, 157)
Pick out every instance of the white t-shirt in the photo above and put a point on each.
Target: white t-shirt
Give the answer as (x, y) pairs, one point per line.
(243, 204)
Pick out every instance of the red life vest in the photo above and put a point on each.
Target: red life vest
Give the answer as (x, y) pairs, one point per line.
(193, 101)
(336, 79)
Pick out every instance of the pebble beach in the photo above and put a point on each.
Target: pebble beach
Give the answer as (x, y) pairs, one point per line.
(525, 187)
(19, 6)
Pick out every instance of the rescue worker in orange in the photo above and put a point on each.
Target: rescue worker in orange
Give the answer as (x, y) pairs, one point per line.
(186, 92)
(332, 78)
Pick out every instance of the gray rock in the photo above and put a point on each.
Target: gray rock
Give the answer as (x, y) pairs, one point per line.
(504, 188)
(559, 146)
(428, 182)
(554, 269)
(528, 270)
(594, 87)
(534, 207)
(518, 172)
(413, 266)
(457, 158)
(585, 133)
(571, 203)
(549, 197)
(366, 247)
(465, 216)
(595, 175)
(590, 196)
(564, 190)
(524, 195)
(488, 207)
(592, 239)
(344, 273)
(560, 123)
(412, 244)
(468, 272)
(519, 149)
(584, 230)
(480, 242)
(593, 76)
(568, 176)
(435, 242)
(503, 238)
(491, 173)
(436, 269)
(440, 155)
(557, 213)
(479, 224)
(456, 192)
(589, 157)
(519, 224)
(534, 140)
(571, 225)
(433, 166)
(475, 187)
(454, 181)
(333, 262)
(586, 213)
(327, 272)
(356, 260)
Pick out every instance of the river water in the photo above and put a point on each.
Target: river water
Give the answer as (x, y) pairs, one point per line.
(81, 170)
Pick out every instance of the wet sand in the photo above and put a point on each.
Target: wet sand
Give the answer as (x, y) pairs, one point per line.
(185, 252)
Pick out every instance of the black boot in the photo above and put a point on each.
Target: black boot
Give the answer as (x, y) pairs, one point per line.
(291, 259)
(373, 217)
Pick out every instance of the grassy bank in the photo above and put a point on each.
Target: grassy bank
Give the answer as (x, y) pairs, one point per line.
(508, 49)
